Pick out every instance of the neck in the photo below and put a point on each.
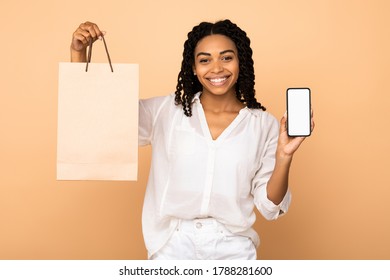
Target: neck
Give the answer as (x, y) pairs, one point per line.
(220, 103)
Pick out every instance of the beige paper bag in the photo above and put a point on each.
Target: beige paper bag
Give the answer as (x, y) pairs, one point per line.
(97, 137)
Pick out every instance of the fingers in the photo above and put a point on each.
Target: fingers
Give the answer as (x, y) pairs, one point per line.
(312, 124)
(92, 29)
(84, 33)
(283, 123)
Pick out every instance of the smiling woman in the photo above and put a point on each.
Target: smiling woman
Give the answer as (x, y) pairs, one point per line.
(216, 153)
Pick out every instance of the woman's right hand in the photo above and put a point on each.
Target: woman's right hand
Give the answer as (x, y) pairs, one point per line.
(84, 33)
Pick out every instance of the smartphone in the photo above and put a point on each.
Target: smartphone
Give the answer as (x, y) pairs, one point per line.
(298, 112)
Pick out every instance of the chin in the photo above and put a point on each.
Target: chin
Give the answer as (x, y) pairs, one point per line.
(220, 91)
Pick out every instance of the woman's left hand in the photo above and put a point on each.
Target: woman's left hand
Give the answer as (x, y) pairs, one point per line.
(287, 145)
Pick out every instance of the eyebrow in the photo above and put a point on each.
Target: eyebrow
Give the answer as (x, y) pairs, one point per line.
(208, 54)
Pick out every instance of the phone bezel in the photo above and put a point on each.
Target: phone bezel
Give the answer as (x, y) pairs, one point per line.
(288, 91)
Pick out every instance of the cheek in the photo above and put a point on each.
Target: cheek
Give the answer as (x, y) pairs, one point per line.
(237, 69)
(200, 69)
(237, 74)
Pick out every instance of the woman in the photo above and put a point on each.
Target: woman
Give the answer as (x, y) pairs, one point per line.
(216, 153)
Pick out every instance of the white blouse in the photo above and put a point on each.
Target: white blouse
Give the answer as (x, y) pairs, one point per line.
(194, 176)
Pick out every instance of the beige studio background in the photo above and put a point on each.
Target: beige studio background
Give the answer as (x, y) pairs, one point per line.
(339, 178)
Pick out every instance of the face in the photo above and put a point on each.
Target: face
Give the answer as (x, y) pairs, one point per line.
(216, 64)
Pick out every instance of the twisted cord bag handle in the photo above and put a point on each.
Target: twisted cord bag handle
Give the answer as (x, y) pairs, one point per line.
(90, 54)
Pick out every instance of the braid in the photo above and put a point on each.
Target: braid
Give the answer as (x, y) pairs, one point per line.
(188, 84)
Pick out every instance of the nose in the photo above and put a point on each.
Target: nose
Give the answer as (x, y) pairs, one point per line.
(217, 67)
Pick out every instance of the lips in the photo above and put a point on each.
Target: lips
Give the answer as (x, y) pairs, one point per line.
(218, 81)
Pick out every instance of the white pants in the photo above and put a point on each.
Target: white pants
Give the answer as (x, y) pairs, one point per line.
(205, 239)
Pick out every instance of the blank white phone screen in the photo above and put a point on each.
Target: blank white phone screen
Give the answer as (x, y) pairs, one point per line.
(298, 111)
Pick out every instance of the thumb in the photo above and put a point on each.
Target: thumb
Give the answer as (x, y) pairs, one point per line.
(283, 122)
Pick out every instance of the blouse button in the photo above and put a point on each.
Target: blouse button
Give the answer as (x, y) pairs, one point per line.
(198, 225)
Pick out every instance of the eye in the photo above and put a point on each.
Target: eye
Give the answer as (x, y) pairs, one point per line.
(227, 58)
(203, 60)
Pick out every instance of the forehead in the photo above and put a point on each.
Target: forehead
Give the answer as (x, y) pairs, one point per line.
(215, 43)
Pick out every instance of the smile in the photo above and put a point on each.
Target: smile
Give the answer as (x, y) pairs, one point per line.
(218, 81)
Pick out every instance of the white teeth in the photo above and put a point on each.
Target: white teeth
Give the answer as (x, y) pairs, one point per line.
(218, 80)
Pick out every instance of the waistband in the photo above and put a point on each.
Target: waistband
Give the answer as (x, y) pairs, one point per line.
(201, 224)
(211, 225)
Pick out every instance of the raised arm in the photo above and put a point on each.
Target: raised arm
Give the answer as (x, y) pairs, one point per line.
(287, 146)
(84, 33)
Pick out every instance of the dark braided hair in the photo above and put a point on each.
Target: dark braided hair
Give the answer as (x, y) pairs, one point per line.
(188, 84)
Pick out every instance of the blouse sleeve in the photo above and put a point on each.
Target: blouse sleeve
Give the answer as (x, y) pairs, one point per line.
(266, 207)
(145, 123)
(149, 111)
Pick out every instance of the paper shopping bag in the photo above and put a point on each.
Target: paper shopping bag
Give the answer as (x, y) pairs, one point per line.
(97, 137)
